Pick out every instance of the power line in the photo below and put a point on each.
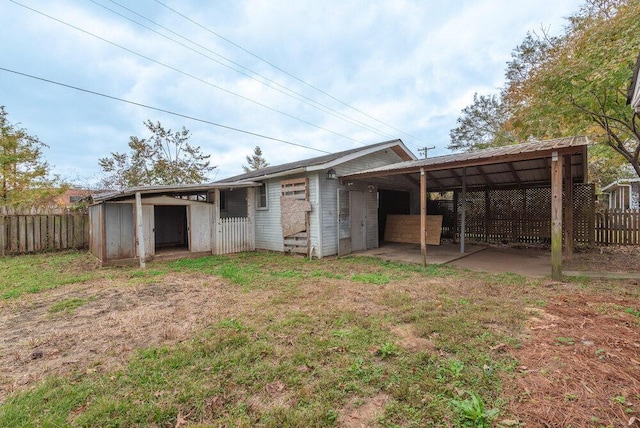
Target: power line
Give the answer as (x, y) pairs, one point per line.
(231, 128)
(177, 70)
(271, 83)
(284, 71)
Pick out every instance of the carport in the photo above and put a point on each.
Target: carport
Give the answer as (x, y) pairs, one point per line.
(555, 164)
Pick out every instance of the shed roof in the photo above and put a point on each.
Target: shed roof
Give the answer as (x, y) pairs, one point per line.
(518, 165)
(171, 190)
(322, 162)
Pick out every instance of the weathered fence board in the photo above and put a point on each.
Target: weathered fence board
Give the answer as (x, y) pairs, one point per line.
(235, 235)
(32, 231)
(618, 227)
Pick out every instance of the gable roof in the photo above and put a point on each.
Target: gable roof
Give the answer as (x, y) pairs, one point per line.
(633, 94)
(322, 162)
(619, 183)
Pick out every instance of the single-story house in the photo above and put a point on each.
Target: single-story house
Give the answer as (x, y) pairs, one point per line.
(299, 207)
(623, 194)
(337, 203)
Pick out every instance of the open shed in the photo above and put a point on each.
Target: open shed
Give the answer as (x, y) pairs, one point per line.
(554, 164)
(169, 221)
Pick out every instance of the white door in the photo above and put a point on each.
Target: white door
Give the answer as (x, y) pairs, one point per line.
(200, 221)
(357, 214)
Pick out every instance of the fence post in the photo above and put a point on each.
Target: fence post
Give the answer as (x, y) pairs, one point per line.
(3, 233)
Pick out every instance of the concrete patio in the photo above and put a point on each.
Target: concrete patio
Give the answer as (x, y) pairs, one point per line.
(529, 262)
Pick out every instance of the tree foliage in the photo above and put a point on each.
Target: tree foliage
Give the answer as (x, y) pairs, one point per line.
(575, 84)
(255, 161)
(25, 175)
(164, 158)
(482, 124)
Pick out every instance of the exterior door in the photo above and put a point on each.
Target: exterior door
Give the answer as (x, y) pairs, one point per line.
(357, 214)
(344, 223)
(200, 221)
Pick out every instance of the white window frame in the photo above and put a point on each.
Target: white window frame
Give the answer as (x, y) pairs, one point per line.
(266, 197)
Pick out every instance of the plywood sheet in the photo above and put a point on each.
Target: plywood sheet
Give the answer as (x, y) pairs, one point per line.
(293, 215)
(406, 228)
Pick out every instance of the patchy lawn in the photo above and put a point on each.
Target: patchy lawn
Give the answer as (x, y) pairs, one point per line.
(263, 339)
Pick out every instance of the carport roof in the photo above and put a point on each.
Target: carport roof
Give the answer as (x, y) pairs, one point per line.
(514, 166)
(176, 189)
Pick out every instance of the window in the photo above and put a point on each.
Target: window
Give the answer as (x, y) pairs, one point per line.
(223, 200)
(261, 197)
(75, 199)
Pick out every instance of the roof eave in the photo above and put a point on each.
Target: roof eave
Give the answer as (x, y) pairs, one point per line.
(150, 190)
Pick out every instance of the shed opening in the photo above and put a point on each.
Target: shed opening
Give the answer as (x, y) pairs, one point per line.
(170, 227)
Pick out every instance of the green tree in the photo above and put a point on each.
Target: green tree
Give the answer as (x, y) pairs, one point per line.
(25, 175)
(255, 161)
(574, 84)
(164, 158)
(482, 124)
(580, 87)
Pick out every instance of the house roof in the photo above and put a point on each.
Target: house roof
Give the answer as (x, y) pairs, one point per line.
(619, 183)
(633, 94)
(172, 190)
(518, 165)
(322, 162)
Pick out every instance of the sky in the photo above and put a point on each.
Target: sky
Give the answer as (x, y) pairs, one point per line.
(311, 76)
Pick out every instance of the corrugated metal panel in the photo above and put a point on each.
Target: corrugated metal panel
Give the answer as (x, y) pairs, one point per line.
(118, 220)
(96, 213)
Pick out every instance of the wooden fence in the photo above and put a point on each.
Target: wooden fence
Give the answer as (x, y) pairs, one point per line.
(617, 227)
(234, 235)
(32, 231)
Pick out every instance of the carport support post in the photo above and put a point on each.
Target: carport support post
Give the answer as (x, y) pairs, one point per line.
(463, 215)
(556, 216)
(140, 231)
(423, 216)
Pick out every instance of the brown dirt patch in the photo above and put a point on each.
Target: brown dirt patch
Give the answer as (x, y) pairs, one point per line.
(606, 259)
(580, 366)
(116, 319)
(410, 341)
(364, 413)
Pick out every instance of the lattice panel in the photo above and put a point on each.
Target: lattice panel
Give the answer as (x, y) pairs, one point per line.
(523, 215)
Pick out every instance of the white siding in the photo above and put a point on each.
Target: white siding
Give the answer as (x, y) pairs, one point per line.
(373, 160)
(268, 227)
(329, 206)
(268, 222)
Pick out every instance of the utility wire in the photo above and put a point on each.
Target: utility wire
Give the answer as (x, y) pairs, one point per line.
(285, 72)
(184, 73)
(208, 122)
(271, 83)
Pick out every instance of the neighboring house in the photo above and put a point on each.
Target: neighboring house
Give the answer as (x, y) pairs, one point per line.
(72, 196)
(633, 95)
(623, 194)
(299, 207)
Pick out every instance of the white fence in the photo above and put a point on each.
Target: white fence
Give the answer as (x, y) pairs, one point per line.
(235, 235)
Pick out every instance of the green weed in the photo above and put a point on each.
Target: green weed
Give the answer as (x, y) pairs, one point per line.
(472, 412)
